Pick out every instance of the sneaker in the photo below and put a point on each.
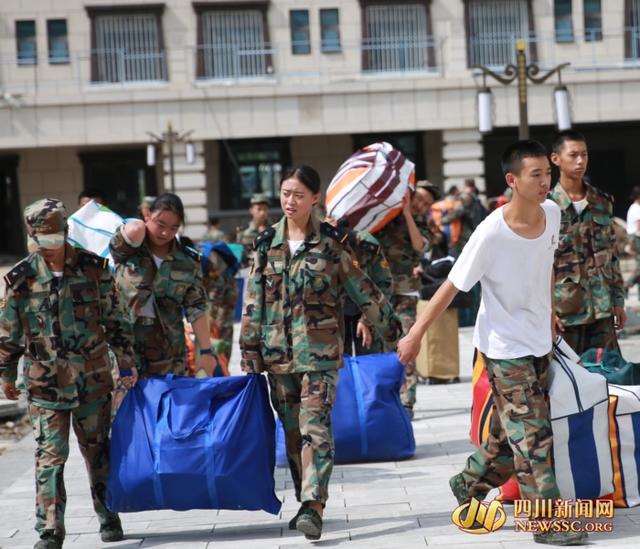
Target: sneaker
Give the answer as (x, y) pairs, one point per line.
(561, 538)
(48, 541)
(310, 524)
(293, 522)
(112, 531)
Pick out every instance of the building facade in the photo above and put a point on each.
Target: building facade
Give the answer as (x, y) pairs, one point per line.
(256, 85)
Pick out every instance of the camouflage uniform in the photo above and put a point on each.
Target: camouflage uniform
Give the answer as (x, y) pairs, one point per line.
(368, 255)
(520, 434)
(220, 284)
(61, 326)
(246, 235)
(215, 235)
(291, 328)
(588, 278)
(402, 258)
(177, 291)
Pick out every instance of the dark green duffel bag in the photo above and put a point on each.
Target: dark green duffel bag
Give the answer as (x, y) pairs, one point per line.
(611, 365)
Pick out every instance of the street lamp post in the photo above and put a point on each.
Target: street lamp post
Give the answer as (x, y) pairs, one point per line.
(521, 72)
(170, 137)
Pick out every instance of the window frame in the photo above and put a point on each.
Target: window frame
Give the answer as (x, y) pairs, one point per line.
(32, 40)
(323, 46)
(297, 46)
(201, 7)
(560, 38)
(631, 30)
(594, 34)
(58, 60)
(145, 9)
(431, 56)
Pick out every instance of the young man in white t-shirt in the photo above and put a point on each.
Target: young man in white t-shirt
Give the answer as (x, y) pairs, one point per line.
(511, 254)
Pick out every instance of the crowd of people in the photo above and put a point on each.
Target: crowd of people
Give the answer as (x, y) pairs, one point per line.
(546, 263)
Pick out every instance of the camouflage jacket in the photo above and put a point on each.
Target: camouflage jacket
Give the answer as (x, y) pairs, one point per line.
(588, 279)
(246, 235)
(62, 327)
(176, 287)
(367, 254)
(293, 320)
(220, 283)
(396, 245)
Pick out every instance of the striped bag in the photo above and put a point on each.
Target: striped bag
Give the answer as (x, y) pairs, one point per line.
(624, 433)
(579, 419)
(367, 191)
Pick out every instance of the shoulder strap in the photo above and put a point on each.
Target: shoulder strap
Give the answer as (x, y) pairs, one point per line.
(329, 230)
(265, 236)
(19, 273)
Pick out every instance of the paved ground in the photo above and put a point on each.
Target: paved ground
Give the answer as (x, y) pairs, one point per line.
(399, 505)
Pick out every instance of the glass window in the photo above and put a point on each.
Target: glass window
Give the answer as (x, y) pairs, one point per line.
(300, 38)
(563, 20)
(58, 42)
(26, 42)
(251, 166)
(330, 31)
(592, 20)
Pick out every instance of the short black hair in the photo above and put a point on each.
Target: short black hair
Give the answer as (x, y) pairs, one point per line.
(92, 193)
(515, 153)
(305, 174)
(214, 220)
(635, 193)
(566, 135)
(168, 202)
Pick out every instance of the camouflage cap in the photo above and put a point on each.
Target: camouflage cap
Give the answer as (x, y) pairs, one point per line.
(259, 198)
(46, 221)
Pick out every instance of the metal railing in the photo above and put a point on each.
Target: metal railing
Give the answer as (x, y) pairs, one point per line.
(398, 55)
(119, 65)
(233, 61)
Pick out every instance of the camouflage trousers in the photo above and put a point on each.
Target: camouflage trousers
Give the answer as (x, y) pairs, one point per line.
(405, 308)
(91, 423)
(599, 333)
(520, 435)
(222, 327)
(153, 352)
(303, 403)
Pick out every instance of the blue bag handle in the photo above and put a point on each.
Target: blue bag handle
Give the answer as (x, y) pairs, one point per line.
(362, 420)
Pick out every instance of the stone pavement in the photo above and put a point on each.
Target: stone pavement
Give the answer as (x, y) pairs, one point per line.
(396, 505)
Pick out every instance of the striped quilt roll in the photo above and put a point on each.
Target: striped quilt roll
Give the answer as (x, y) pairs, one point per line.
(624, 432)
(367, 191)
(579, 405)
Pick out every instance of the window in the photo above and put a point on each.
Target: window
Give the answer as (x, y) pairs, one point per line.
(493, 27)
(232, 43)
(563, 20)
(396, 37)
(26, 43)
(300, 38)
(632, 29)
(330, 31)
(592, 20)
(57, 41)
(251, 166)
(126, 44)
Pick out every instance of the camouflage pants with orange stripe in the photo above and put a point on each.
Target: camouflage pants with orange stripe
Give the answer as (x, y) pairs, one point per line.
(520, 434)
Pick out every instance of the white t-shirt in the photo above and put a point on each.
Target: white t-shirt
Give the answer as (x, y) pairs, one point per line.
(580, 205)
(514, 319)
(148, 309)
(633, 216)
(294, 245)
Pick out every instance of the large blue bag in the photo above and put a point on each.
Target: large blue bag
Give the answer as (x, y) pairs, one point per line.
(183, 443)
(368, 419)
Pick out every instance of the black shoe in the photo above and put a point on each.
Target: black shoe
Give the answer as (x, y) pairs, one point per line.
(310, 524)
(294, 521)
(112, 531)
(48, 541)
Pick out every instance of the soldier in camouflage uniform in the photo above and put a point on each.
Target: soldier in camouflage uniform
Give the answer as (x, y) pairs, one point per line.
(589, 290)
(214, 233)
(60, 313)
(514, 333)
(403, 240)
(246, 235)
(160, 282)
(291, 328)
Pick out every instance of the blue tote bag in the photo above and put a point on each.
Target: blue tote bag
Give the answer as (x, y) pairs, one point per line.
(368, 419)
(183, 443)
